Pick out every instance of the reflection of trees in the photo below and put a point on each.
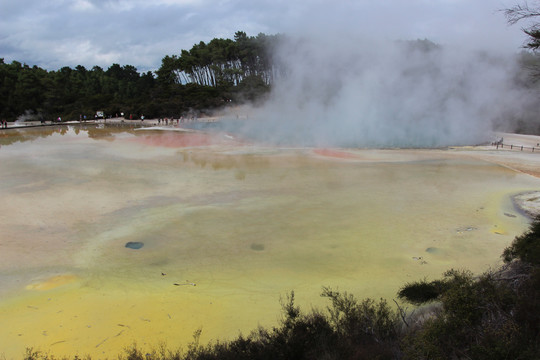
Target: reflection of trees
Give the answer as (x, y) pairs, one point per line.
(12, 136)
(101, 133)
(8, 137)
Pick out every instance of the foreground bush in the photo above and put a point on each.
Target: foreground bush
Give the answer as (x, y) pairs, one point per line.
(349, 329)
(525, 247)
(494, 316)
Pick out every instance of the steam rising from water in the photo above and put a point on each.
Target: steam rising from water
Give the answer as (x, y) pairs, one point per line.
(384, 94)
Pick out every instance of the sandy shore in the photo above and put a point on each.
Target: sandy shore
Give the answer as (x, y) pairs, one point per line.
(512, 155)
(520, 153)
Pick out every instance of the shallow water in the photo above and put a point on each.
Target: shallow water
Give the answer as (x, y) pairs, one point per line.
(228, 228)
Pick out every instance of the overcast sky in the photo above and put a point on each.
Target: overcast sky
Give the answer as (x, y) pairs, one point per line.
(56, 33)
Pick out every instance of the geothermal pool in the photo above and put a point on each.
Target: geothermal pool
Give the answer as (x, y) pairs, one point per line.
(217, 230)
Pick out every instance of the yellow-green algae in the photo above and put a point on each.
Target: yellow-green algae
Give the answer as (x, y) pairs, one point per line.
(221, 248)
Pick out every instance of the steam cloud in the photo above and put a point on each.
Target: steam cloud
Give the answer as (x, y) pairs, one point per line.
(363, 93)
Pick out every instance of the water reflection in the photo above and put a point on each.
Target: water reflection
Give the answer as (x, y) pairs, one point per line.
(100, 131)
(226, 228)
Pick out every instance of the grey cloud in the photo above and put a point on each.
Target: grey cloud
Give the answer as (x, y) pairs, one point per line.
(140, 33)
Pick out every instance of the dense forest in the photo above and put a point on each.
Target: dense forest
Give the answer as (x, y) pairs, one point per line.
(205, 77)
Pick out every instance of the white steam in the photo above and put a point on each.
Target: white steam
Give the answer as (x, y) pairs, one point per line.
(384, 94)
(28, 115)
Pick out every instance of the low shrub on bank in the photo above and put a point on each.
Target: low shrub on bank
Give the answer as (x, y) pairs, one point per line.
(494, 316)
(525, 247)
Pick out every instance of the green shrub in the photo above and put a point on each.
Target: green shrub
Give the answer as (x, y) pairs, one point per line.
(421, 292)
(525, 247)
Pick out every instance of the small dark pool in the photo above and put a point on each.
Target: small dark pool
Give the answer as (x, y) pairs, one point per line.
(135, 245)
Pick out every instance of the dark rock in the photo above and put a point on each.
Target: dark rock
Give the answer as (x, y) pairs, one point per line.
(135, 245)
(433, 250)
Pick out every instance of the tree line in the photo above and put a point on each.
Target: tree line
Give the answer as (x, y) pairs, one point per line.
(207, 76)
(222, 62)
